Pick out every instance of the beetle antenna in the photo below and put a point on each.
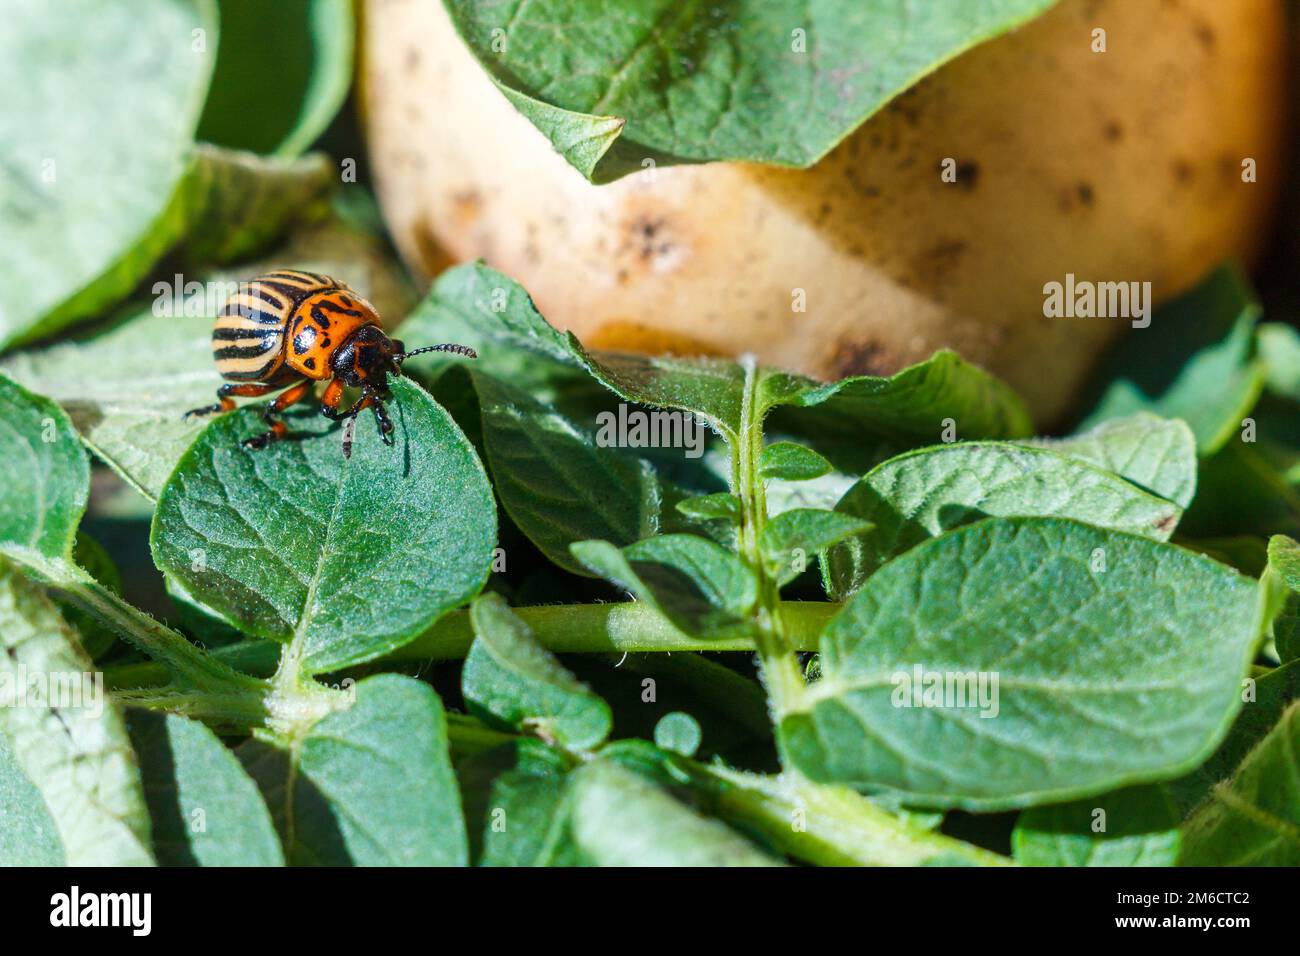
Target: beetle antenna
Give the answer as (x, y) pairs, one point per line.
(445, 347)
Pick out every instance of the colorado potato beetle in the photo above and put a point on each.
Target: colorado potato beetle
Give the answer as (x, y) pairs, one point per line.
(288, 330)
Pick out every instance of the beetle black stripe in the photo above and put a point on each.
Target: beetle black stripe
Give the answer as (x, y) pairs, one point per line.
(335, 307)
(269, 339)
(254, 315)
(257, 374)
(255, 289)
(292, 293)
(240, 351)
(297, 276)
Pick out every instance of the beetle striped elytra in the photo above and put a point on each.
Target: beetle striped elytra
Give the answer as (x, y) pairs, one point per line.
(288, 330)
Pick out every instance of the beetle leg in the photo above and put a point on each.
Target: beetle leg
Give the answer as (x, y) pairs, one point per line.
(350, 426)
(382, 420)
(278, 428)
(329, 401)
(226, 403)
(349, 430)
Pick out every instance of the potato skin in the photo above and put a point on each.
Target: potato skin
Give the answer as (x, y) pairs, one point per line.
(1115, 166)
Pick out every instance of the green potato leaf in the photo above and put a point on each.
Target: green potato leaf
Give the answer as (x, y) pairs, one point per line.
(69, 741)
(1241, 491)
(89, 555)
(678, 733)
(1073, 659)
(512, 678)
(526, 823)
(713, 389)
(1196, 362)
(512, 789)
(283, 70)
(1284, 562)
(943, 398)
(1137, 826)
(83, 225)
(792, 540)
(485, 307)
(720, 506)
(916, 404)
(556, 483)
(618, 817)
(700, 587)
(371, 785)
(789, 461)
(346, 558)
(1279, 348)
(1253, 820)
(28, 834)
(42, 503)
(205, 809)
(923, 493)
(1156, 454)
(743, 80)
(1264, 699)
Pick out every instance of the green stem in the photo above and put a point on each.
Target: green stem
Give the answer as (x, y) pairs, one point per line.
(191, 665)
(469, 736)
(227, 713)
(296, 700)
(825, 824)
(785, 682)
(561, 628)
(185, 679)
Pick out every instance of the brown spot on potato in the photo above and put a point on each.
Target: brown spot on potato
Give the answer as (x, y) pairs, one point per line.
(936, 264)
(851, 356)
(626, 335)
(1080, 194)
(650, 240)
(968, 174)
(1113, 131)
(1183, 171)
(646, 235)
(466, 207)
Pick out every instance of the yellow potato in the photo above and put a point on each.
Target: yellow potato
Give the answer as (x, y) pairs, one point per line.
(1117, 166)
